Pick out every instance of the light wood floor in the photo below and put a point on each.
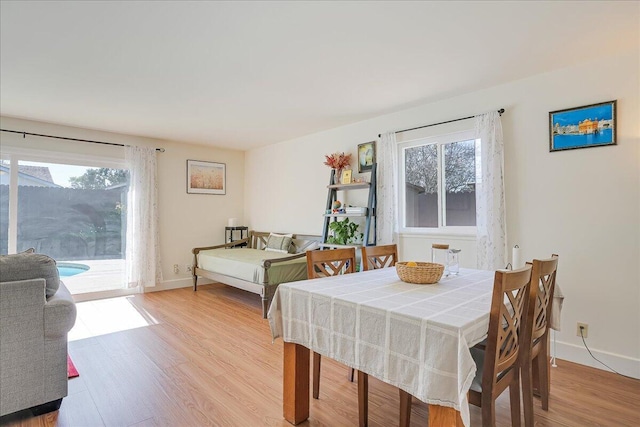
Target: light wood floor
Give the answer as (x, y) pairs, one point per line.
(207, 359)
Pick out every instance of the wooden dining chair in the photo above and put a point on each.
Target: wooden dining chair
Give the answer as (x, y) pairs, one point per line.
(374, 257)
(330, 262)
(325, 263)
(498, 365)
(498, 362)
(535, 337)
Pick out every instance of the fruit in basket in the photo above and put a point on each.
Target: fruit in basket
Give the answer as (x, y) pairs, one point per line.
(421, 273)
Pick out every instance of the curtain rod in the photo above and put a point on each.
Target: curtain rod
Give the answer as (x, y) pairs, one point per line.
(24, 134)
(500, 111)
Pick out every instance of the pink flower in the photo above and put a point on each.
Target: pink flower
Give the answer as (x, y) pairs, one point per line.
(338, 160)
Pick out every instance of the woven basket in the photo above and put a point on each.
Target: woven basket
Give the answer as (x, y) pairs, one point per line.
(425, 273)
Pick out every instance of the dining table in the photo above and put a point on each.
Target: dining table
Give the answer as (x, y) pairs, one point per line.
(412, 336)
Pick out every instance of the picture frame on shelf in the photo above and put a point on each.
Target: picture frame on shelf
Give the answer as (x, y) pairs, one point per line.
(583, 127)
(366, 156)
(346, 176)
(206, 177)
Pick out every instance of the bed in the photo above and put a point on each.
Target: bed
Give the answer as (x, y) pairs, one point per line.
(251, 267)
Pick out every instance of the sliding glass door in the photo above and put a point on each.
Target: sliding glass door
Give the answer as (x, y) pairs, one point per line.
(5, 178)
(74, 213)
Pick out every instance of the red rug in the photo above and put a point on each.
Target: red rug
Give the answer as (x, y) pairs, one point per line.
(72, 372)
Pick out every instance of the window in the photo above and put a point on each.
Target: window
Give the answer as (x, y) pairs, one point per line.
(438, 180)
(75, 213)
(5, 177)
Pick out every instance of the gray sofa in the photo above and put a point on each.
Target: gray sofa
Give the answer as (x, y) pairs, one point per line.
(36, 313)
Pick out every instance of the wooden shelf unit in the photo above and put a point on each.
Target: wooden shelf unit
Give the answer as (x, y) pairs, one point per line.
(369, 235)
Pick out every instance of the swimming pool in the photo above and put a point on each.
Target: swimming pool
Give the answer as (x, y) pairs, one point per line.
(67, 269)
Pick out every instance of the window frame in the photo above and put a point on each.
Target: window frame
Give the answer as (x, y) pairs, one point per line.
(17, 154)
(61, 153)
(439, 141)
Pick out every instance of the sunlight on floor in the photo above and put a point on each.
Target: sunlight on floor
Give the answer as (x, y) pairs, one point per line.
(106, 316)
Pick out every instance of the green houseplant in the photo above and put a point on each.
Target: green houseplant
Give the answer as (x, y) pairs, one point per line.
(344, 232)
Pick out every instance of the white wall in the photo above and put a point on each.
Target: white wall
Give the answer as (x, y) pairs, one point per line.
(186, 220)
(582, 204)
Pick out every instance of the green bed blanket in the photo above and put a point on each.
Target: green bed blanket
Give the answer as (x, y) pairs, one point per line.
(246, 264)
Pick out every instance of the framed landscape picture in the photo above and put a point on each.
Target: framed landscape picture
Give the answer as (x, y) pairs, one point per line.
(582, 127)
(206, 177)
(366, 156)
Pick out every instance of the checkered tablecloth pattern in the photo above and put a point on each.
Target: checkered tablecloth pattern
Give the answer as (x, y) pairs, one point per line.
(415, 337)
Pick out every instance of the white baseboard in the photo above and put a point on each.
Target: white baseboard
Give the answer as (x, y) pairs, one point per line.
(177, 283)
(579, 354)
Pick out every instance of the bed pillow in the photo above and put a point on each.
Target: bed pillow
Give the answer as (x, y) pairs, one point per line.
(299, 246)
(278, 243)
(27, 265)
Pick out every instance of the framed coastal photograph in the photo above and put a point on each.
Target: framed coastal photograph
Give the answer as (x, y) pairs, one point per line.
(206, 177)
(366, 156)
(583, 127)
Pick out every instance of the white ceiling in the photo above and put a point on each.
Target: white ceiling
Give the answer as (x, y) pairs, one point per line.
(247, 74)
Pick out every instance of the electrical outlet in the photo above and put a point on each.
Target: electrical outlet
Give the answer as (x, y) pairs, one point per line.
(585, 330)
(188, 268)
(176, 269)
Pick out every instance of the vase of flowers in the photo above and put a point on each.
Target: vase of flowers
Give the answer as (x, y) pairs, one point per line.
(337, 162)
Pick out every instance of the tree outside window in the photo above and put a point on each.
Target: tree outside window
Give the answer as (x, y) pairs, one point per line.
(439, 184)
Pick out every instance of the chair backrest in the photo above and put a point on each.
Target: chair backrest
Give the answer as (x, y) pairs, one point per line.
(374, 257)
(330, 262)
(508, 305)
(543, 282)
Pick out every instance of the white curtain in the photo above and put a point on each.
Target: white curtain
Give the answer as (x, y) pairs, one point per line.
(143, 254)
(490, 205)
(387, 192)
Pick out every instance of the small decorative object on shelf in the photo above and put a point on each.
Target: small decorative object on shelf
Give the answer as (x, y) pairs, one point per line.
(338, 161)
(355, 210)
(346, 176)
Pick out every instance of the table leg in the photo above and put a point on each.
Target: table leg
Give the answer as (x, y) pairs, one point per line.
(363, 399)
(441, 416)
(295, 390)
(405, 408)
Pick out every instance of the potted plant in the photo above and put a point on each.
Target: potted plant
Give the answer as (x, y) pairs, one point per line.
(338, 161)
(344, 233)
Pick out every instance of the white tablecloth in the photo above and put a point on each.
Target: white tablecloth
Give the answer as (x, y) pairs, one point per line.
(415, 337)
